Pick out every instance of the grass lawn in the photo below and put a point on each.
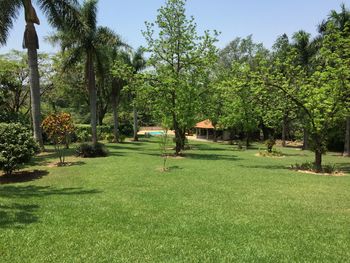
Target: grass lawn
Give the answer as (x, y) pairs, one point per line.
(216, 205)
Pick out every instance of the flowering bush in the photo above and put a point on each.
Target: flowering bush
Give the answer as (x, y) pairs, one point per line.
(59, 127)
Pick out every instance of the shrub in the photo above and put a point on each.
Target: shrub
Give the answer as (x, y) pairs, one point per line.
(122, 138)
(240, 145)
(17, 146)
(88, 150)
(109, 137)
(310, 166)
(273, 153)
(59, 128)
(82, 136)
(269, 144)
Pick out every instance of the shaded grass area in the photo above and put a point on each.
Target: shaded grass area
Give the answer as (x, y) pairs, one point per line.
(217, 204)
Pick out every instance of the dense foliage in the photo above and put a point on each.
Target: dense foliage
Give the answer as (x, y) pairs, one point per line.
(297, 90)
(59, 128)
(17, 146)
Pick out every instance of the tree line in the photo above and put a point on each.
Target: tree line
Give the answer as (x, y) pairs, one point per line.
(297, 89)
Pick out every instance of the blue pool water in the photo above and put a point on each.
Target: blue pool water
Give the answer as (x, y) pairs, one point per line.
(158, 133)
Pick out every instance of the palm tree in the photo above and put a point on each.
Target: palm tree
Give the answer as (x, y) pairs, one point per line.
(86, 41)
(57, 12)
(115, 51)
(341, 21)
(138, 62)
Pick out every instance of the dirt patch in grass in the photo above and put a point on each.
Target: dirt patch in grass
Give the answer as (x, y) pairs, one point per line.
(66, 164)
(337, 174)
(23, 176)
(269, 156)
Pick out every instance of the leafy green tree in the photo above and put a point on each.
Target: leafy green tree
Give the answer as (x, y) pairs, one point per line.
(340, 21)
(57, 12)
(306, 49)
(181, 59)
(122, 74)
(318, 94)
(138, 63)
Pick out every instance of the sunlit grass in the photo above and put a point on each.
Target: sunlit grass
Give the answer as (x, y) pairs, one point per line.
(217, 204)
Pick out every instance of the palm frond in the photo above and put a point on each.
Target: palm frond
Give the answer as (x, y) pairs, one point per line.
(9, 12)
(72, 57)
(61, 14)
(89, 14)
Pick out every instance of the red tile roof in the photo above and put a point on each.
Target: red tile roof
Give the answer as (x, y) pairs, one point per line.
(205, 125)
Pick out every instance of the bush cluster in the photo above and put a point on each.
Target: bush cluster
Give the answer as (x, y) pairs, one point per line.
(17, 146)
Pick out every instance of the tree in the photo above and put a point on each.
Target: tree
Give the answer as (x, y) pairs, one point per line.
(59, 127)
(84, 41)
(319, 94)
(306, 49)
(57, 12)
(138, 63)
(122, 73)
(340, 21)
(181, 60)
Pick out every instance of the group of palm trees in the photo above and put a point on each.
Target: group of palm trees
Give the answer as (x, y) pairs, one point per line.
(79, 37)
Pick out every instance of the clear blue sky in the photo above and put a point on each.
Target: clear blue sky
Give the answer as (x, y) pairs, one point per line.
(265, 19)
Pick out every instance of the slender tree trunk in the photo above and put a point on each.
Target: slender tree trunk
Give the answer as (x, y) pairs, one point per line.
(306, 139)
(92, 96)
(178, 144)
(115, 118)
(136, 138)
(347, 138)
(31, 43)
(215, 139)
(284, 132)
(247, 140)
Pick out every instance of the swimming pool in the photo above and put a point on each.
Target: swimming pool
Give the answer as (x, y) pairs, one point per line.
(155, 133)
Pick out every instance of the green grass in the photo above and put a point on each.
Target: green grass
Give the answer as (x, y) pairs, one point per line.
(215, 205)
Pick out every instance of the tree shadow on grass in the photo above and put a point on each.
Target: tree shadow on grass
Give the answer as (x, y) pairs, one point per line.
(268, 167)
(22, 177)
(16, 215)
(211, 157)
(124, 147)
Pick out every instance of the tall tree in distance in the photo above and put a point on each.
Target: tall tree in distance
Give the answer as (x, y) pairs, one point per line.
(181, 60)
(57, 12)
(138, 63)
(306, 49)
(340, 21)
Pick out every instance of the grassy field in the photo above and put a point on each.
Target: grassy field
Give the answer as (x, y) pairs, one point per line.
(215, 205)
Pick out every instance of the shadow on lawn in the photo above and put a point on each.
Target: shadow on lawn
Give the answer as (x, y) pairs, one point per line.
(269, 167)
(211, 157)
(15, 215)
(22, 177)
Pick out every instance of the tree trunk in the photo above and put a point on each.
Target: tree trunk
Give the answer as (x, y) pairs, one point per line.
(136, 128)
(284, 132)
(92, 96)
(306, 139)
(115, 118)
(215, 139)
(31, 43)
(347, 138)
(318, 160)
(247, 140)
